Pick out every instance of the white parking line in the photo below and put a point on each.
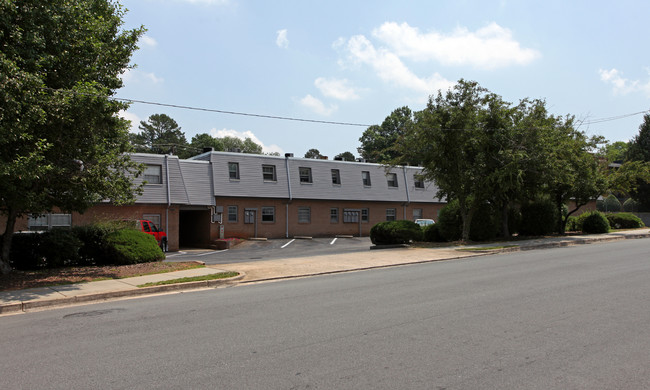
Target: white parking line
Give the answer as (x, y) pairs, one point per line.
(333, 241)
(211, 253)
(287, 244)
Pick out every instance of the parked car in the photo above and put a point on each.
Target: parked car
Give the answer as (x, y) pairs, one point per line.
(151, 228)
(424, 222)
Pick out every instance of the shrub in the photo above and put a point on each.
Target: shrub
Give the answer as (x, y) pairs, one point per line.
(572, 225)
(450, 223)
(59, 248)
(609, 204)
(595, 222)
(129, 246)
(631, 205)
(395, 232)
(538, 218)
(624, 221)
(94, 250)
(431, 233)
(485, 224)
(25, 251)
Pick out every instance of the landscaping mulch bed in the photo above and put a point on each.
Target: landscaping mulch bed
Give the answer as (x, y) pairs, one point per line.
(18, 280)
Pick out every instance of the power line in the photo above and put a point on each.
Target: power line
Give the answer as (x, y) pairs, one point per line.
(593, 121)
(211, 109)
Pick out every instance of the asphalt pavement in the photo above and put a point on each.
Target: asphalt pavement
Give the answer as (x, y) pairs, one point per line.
(268, 261)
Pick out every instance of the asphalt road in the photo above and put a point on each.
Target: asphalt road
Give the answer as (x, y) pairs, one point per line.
(274, 249)
(565, 318)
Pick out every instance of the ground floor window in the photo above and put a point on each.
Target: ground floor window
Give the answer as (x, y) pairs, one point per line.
(268, 214)
(232, 214)
(417, 214)
(155, 218)
(48, 221)
(334, 215)
(304, 215)
(365, 215)
(391, 214)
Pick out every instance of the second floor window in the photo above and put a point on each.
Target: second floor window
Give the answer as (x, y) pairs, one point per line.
(392, 179)
(153, 174)
(233, 170)
(336, 176)
(305, 175)
(365, 176)
(419, 181)
(268, 172)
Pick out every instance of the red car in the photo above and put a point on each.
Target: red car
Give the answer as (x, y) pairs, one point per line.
(151, 228)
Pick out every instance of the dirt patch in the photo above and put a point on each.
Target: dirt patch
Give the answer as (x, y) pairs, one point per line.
(18, 280)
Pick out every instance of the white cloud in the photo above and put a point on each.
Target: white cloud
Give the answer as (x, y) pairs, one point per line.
(489, 47)
(282, 40)
(135, 120)
(622, 85)
(246, 134)
(390, 68)
(136, 76)
(317, 106)
(148, 41)
(334, 88)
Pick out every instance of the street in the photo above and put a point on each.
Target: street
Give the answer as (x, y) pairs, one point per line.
(562, 318)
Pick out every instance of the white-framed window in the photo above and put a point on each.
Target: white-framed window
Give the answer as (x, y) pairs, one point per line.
(365, 215)
(391, 179)
(336, 176)
(391, 214)
(268, 173)
(48, 221)
(365, 177)
(153, 174)
(232, 214)
(268, 214)
(155, 218)
(305, 174)
(233, 170)
(304, 214)
(417, 214)
(334, 215)
(418, 180)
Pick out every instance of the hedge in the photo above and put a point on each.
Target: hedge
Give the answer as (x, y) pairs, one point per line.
(595, 222)
(395, 232)
(538, 218)
(128, 246)
(624, 221)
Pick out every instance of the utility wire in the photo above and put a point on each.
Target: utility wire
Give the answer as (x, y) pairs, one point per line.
(591, 122)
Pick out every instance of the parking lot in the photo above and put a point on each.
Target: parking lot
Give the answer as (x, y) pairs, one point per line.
(273, 249)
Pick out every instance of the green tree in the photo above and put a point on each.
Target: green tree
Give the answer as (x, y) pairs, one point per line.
(160, 134)
(639, 150)
(615, 152)
(63, 144)
(198, 143)
(379, 142)
(313, 153)
(345, 156)
(231, 144)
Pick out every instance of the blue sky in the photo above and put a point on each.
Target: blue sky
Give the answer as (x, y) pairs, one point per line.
(356, 61)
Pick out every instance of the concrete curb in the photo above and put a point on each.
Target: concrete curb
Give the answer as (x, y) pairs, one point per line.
(136, 292)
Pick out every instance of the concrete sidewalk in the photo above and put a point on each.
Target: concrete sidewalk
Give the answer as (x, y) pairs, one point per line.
(258, 271)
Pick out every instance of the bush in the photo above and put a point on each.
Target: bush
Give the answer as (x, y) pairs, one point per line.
(60, 248)
(538, 218)
(485, 224)
(25, 251)
(572, 224)
(129, 246)
(624, 221)
(609, 204)
(450, 223)
(631, 205)
(395, 232)
(94, 250)
(595, 222)
(431, 233)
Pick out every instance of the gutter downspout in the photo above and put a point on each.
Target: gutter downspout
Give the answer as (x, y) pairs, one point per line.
(168, 195)
(408, 196)
(286, 164)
